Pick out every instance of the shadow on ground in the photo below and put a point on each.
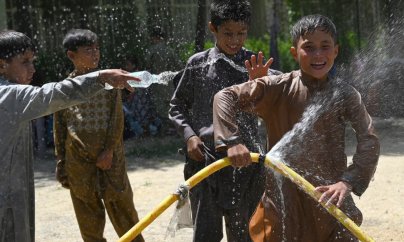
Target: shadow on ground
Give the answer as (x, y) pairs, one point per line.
(162, 152)
(142, 153)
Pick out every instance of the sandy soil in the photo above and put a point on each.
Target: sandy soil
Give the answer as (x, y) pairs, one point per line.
(153, 179)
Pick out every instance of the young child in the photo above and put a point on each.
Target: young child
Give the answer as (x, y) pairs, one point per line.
(281, 102)
(89, 146)
(19, 104)
(230, 193)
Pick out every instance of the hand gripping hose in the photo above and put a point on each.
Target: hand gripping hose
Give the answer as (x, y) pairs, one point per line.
(212, 168)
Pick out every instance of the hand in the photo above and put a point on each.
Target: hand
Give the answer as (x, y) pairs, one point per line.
(117, 78)
(334, 193)
(257, 69)
(194, 145)
(104, 160)
(61, 175)
(239, 155)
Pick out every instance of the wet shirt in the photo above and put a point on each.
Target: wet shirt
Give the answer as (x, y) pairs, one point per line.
(18, 105)
(205, 74)
(316, 114)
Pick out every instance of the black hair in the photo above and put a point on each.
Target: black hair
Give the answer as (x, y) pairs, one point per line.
(225, 10)
(158, 32)
(309, 23)
(79, 37)
(13, 43)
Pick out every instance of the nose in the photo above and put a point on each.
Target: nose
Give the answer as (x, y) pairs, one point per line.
(32, 68)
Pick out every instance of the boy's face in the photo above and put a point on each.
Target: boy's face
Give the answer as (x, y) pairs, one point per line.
(19, 69)
(315, 52)
(230, 36)
(85, 57)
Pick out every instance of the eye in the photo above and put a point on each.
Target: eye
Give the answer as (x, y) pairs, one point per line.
(308, 47)
(326, 47)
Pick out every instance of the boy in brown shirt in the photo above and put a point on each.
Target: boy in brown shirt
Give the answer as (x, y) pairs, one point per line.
(284, 102)
(89, 146)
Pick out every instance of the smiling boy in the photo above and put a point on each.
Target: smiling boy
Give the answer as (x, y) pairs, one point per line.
(230, 193)
(281, 101)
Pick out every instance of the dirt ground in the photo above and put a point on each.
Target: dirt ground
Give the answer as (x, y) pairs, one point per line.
(155, 178)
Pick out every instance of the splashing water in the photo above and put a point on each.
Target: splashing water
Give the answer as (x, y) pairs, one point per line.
(165, 77)
(377, 71)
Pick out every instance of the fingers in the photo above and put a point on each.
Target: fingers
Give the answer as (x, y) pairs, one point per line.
(128, 87)
(269, 63)
(331, 199)
(239, 155)
(248, 65)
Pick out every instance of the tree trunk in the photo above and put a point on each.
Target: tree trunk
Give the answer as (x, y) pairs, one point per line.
(273, 43)
(200, 26)
(3, 15)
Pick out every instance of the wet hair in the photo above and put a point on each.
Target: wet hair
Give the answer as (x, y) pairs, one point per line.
(310, 23)
(224, 10)
(76, 38)
(13, 43)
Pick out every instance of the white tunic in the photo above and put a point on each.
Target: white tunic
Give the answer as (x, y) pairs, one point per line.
(19, 104)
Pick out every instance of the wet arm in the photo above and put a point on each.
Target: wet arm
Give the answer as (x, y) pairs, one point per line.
(365, 159)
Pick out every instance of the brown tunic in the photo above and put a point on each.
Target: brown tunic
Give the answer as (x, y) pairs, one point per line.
(318, 155)
(81, 133)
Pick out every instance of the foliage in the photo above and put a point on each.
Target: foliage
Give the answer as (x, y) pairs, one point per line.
(51, 66)
(258, 44)
(287, 62)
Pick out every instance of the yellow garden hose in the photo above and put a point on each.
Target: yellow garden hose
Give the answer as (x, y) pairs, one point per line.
(275, 165)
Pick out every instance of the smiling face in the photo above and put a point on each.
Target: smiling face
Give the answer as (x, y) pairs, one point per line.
(230, 36)
(19, 69)
(315, 52)
(85, 57)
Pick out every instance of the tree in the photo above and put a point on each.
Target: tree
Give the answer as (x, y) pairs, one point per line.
(200, 26)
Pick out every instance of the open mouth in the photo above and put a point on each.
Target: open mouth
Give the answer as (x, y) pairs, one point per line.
(318, 65)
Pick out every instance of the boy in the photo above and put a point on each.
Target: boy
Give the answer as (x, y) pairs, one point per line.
(291, 215)
(232, 193)
(89, 146)
(20, 103)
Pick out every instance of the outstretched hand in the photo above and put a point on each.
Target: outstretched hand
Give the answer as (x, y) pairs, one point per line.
(117, 78)
(335, 193)
(239, 155)
(256, 68)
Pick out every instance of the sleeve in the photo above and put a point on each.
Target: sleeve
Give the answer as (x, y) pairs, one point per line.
(181, 105)
(116, 121)
(365, 159)
(33, 102)
(60, 134)
(255, 96)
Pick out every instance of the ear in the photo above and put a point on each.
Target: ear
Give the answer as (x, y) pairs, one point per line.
(293, 52)
(3, 66)
(70, 54)
(336, 50)
(212, 28)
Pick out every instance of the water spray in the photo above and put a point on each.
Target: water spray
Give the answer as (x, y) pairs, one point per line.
(277, 166)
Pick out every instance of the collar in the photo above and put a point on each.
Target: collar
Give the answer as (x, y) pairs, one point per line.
(238, 58)
(312, 84)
